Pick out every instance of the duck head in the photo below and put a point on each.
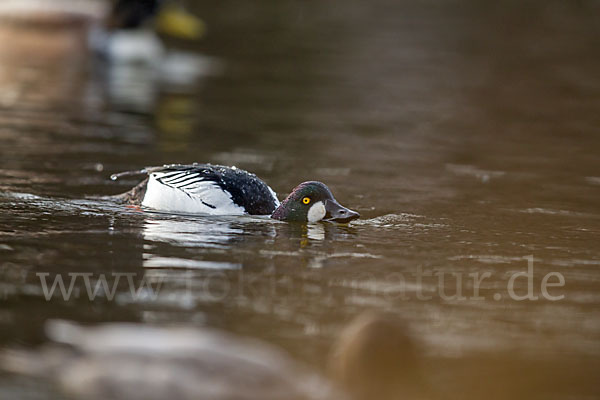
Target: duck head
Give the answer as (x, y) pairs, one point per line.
(311, 202)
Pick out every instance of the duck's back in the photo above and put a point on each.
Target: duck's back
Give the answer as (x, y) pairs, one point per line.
(204, 189)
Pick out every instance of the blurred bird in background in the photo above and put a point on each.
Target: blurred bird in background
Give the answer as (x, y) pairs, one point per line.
(118, 29)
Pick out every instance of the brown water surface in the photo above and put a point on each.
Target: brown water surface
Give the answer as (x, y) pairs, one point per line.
(465, 133)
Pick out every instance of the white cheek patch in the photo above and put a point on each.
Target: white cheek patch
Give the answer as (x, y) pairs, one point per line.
(316, 212)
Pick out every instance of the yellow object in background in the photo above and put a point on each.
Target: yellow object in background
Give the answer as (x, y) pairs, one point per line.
(176, 22)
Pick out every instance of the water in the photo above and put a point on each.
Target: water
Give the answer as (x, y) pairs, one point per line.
(465, 135)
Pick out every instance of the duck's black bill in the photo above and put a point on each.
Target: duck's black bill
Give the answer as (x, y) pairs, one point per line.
(334, 211)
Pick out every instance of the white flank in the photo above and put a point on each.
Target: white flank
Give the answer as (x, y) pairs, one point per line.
(316, 212)
(197, 199)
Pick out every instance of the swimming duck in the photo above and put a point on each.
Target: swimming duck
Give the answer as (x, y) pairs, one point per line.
(128, 32)
(220, 190)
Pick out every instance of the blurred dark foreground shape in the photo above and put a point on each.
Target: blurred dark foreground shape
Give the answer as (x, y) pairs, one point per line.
(373, 359)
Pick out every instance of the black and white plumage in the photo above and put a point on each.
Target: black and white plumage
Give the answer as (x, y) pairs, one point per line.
(203, 188)
(219, 190)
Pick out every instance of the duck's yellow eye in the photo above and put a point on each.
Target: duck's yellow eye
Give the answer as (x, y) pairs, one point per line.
(306, 200)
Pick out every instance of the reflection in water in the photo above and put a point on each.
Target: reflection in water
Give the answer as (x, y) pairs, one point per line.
(207, 232)
(315, 232)
(151, 261)
(132, 87)
(135, 87)
(190, 232)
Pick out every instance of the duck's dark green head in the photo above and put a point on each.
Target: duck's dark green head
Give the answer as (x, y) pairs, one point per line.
(312, 202)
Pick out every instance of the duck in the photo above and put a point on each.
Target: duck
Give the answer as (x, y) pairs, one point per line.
(221, 190)
(373, 357)
(128, 33)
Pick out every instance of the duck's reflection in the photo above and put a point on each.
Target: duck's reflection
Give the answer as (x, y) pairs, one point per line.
(244, 261)
(205, 232)
(190, 243)
(142, 87)
(220, 232)
(209, 242)
(315, 232)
